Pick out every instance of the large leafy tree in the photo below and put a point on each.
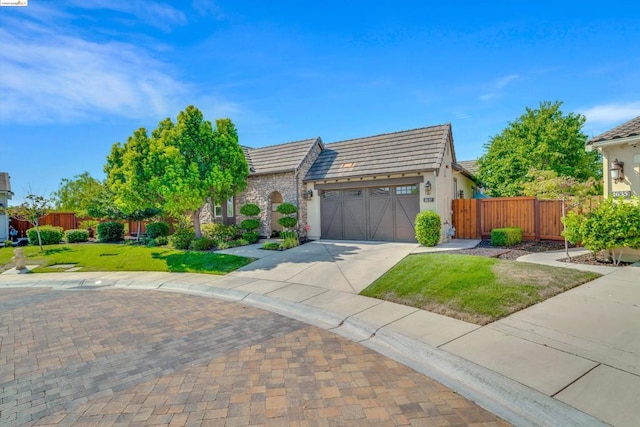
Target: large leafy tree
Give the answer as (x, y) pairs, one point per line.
(179, 167)
(77, 194)
(542, 139)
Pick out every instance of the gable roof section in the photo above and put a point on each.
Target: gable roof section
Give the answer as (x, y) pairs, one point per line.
(280, 158)
(625, 130)
(5, 184)
(470, 166)
(399, 152)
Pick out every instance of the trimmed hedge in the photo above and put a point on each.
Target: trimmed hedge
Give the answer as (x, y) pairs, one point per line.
(157, 229)
(250, 209)
(287, 208)
(506, 236)
(202, 244)
(49, 234)
(75, 236)
(428, 227)
(250, 224)
(288, 221)
(111, 232)
(251, 236)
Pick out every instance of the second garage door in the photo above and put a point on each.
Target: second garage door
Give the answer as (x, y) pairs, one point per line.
(370, 213)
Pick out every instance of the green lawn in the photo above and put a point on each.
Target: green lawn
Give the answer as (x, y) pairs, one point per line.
(472, 288)
(115, 257)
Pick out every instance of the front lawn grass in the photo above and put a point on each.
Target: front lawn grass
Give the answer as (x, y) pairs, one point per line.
(472, 288)
(115, 257)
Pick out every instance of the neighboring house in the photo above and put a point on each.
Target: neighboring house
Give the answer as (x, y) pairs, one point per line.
(620, 148)
(362, 189)
(474, 188)
(5, 195)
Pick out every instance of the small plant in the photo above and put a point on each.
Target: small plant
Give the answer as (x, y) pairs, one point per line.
(288, 235)
(428, 226)
(202, 244)
(8, 243)
(111, 232)
(75, 236)
(271, 246)
(182, 237)
(161, 241)
(50, 235)
(287, 209)
(290, 243)
(223, 245)
(251, 236)
(157, 229)
(506, 236)
(219, 232)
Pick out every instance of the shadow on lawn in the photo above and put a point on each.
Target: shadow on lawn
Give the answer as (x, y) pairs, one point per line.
(201, 262)
(53, 251)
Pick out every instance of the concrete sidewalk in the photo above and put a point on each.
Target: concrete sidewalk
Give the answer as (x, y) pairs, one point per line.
(571, 360)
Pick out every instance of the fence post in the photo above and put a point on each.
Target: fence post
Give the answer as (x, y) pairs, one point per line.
(536, 218)
(478, 203)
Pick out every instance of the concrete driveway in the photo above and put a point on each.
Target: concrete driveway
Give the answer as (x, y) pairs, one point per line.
(344, 266)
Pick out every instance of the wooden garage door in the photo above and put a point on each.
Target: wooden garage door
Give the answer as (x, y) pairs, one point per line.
(370, 213)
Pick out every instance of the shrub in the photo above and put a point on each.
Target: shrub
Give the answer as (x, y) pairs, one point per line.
(182, 237)
(151, 243)
(288, 221)
(223, 245)
(506, 236)
(239, 242)
(202, 244)
(219, 232)
(8, 243)
(110, 232)
(161, 240)
(157, 229)
(288, 235)
(251, 236)
(290, 243)
(87, 224)
(271, 246)
(50, 235)
(250, 209)
(287, 208)
(428, 226)
(75, 236)
(250, 224)
(572, 223)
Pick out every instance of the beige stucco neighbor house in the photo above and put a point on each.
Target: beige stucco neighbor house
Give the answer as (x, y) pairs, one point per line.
(5, 195)
(362, 189)
(620, 148)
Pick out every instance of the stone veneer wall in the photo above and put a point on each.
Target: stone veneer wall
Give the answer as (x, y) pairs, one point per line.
(259, 190)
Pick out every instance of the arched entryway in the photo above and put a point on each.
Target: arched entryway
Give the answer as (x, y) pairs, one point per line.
(275, 201)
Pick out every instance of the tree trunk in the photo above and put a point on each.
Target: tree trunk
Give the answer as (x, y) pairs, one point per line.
(37, 224)
(195, 217)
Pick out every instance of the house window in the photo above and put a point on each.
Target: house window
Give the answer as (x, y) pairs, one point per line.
(406, 189)
(353, 193)
(217, 210)
(379, 192)
(330, 194)
(230, 207)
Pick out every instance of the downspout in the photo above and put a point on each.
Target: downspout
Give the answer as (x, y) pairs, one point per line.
(298, 199)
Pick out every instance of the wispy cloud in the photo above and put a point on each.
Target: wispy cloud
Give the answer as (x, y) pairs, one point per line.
(152, 13)
(48, 76)
(614, 113)
(495, 88)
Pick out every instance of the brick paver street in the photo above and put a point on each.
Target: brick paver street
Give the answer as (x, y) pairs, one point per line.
(124, 357)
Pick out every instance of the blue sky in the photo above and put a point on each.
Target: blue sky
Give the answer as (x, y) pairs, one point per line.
(77, 76)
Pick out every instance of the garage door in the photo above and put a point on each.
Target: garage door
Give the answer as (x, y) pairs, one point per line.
(370, 213)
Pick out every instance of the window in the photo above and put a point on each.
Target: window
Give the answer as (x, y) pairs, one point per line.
(230, 207)
(330, 194)
(379, 192)
(352, 193)
(217, 208)
(406, 189)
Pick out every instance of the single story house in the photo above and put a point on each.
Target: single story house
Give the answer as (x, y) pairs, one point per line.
(367, 188)
(620, 148)
(5, 195)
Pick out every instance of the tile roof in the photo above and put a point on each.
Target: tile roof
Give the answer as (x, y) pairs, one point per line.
(278, 158)
(470, 165)
(407, 151)
(625, 130)
(5, 184)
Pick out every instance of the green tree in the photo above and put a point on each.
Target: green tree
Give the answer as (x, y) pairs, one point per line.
(31, 209)
(544, 139)
(77, 194)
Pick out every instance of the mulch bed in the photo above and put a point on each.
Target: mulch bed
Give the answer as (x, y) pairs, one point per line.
(525, 248)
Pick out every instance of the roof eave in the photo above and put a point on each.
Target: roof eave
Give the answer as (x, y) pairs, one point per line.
(631, 140)
(370, 175)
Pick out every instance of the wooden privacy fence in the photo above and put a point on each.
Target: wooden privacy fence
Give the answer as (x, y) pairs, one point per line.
(66, 220)
(539, 219)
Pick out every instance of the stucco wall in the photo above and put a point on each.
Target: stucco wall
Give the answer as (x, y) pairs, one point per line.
(630, 155)
(4, 219)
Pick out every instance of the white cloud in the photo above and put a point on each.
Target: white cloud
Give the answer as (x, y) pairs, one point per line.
(610, 114)
(51, 71)
(495, 88)
(158, 15)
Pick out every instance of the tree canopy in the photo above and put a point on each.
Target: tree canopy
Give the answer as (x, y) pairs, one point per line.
(179, 167)
(77, 194)
(542, 139)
